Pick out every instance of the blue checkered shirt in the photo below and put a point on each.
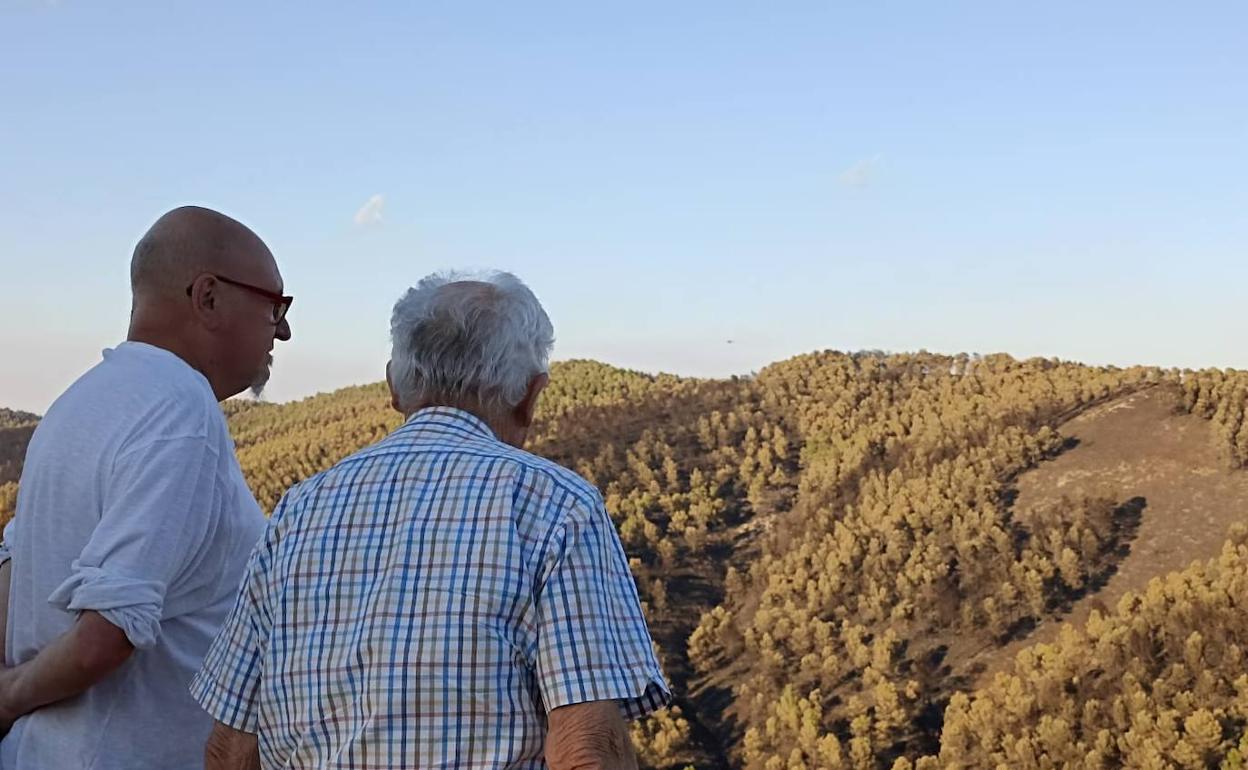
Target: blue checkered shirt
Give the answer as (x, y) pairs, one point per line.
(425, 603)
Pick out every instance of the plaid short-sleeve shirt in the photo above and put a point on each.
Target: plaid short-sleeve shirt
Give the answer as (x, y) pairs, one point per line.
(425, 603)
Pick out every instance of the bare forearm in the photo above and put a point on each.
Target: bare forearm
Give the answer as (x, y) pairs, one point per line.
(91, 650)
(230, 749)
(589, 736)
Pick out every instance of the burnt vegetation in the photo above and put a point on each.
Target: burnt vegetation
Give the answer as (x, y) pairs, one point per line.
(827, 549)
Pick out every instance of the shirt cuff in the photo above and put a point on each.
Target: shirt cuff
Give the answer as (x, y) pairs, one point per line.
(132, 604)
(638, 691)
(222, 704)
(655, 697)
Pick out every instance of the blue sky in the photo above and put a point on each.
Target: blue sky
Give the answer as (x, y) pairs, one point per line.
(1065, 179)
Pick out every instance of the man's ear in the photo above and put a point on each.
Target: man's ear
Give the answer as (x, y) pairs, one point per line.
(205, 304)
(526, 408)
(394, 394)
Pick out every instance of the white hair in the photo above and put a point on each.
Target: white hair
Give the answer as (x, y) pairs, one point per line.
(458, 337)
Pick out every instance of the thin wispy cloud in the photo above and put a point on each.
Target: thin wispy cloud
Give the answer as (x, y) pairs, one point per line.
(370, 212)
(861, 173)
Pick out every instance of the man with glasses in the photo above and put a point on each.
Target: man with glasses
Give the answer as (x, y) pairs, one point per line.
(281, 304)
(133, 521)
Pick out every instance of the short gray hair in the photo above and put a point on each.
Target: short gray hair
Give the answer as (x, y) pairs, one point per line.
(460, 337)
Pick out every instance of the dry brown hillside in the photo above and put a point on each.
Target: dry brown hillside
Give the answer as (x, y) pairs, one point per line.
(866, 561)
(16, 429)
(1145, 453)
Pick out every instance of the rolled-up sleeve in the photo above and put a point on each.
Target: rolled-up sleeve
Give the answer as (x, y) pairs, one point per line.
(592, 639)
(157, 512)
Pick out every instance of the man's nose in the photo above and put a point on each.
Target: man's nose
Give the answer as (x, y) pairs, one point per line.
(283, 330)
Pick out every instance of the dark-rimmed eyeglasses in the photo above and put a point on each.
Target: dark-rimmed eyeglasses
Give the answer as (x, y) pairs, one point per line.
(281, 302)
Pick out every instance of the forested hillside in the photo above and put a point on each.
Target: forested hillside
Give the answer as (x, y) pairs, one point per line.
(849, 560)
(15, 431)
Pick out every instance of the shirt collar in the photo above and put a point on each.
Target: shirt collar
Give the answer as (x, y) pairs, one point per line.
(155, 353)
(444, 417)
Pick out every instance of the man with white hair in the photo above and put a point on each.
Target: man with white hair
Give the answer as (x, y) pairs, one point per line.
(133, 521)
(441, 598)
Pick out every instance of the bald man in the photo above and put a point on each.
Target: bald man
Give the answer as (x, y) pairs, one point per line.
(133, 521)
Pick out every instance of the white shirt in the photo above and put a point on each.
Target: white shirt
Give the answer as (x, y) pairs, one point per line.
(131, 504)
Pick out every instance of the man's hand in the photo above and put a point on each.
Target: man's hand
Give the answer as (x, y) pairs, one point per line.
(230, 749)
(589, 736)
